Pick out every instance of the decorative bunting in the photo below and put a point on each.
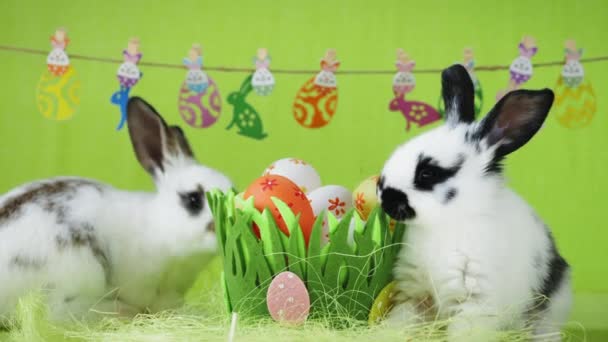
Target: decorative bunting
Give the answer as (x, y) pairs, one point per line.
(57, 93)
(128, 75)
(317, 100)
(521, 68)
(403, 83)
(263, 81)
(469, 64)
(199, 100)
(575, 102)
(244, 116)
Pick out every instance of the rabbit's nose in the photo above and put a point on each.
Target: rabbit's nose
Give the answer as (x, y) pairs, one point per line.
(396, 204)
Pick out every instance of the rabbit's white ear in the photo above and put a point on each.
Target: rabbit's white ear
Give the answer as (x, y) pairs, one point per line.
(153, 141)
(458, 95)
(515, 119)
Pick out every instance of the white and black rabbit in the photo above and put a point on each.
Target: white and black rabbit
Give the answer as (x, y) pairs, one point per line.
(95, 249)
(475, 253)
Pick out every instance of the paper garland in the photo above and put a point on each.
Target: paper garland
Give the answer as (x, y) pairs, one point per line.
(317, 100)
(575, 101)
(57, 92)
(469, 64)
(403, 83)
(521, 67)
(244, 116)
(128, 75)
(199, 101)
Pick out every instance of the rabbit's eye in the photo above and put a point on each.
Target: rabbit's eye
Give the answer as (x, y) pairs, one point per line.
(193, 201)
(428, 173)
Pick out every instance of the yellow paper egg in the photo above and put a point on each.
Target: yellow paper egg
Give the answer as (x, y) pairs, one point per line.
(364, 197)
(383, 304)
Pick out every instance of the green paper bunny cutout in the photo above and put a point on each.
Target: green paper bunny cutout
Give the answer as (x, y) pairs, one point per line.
(244, 116)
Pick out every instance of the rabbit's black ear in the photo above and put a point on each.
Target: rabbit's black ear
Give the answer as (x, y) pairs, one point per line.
(458, 94)
(148, 132)
(515, 119)
(177, 135)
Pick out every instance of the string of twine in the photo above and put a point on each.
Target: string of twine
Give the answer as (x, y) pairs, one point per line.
(286, 71)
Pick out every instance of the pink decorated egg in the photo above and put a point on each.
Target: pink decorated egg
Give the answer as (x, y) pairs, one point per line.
(287, 299)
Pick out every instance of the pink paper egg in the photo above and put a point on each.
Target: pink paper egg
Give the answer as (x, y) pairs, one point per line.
(287, 299)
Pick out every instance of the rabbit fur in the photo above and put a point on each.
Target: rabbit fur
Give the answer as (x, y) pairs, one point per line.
(93, 249)
(475, 253)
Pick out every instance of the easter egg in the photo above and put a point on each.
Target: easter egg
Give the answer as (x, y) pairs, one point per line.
(58, 97)
(382, 304)
(266, 187)
(333, 199)
(287, 299)
(200, 109)
(365, 198)
(315, 105)
(574, 107)
(298, 171)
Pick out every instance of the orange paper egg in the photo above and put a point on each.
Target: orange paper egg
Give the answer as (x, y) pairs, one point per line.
(266, 187)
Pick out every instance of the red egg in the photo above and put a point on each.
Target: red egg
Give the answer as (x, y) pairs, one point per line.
(287, 299)
(266, 187)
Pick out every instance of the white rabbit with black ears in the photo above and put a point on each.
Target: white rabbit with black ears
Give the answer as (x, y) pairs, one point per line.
(95, 249)
(475, 253)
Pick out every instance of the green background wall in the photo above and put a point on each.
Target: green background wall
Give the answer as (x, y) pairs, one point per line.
(562, 172)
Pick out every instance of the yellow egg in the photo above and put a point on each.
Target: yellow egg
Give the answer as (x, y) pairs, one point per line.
(383, 304)
(364, 197)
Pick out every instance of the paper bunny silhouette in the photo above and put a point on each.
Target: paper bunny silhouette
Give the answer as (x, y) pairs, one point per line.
(414, 111)
(244, 116)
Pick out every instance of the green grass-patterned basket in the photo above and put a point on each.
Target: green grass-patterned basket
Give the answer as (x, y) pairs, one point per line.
(342, 279)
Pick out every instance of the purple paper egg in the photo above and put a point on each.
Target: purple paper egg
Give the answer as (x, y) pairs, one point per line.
(200, 110)
(287, 299)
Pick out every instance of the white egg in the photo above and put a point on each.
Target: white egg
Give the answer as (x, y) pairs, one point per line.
(298, 171)
(331, 198)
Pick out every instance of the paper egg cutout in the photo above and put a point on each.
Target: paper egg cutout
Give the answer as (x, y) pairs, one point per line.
(58, 62)
(287, 299)
(365, 198)
(58, 97)
(315, 105)
(382, 304)
(266, 187)
(200, 109)
(574, 107)
(298, 171)
(331, 198)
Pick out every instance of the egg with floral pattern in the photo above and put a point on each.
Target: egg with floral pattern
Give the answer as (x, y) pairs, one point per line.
(298, 171)
(266, 187)
(287, 299)
(333, 199)
(365, 198)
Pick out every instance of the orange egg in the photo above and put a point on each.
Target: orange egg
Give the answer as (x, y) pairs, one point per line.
(266, 187)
